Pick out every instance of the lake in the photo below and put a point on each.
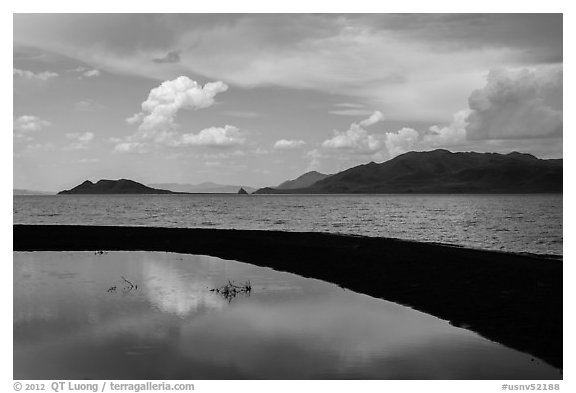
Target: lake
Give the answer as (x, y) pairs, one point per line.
(152, 315)
(515, 223)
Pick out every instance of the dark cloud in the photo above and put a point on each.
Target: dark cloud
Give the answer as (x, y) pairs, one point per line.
(537, 37)
(171, 57)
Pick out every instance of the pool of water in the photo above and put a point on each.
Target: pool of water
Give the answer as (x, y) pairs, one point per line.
(152, 315)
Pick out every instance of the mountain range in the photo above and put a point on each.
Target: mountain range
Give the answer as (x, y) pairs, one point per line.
(202, 188)
(441, 171)
(438, 171)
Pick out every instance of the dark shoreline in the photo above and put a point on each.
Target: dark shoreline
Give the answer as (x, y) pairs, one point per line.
(513, 299)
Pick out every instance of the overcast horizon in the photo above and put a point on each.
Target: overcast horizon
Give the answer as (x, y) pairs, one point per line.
(259, 99)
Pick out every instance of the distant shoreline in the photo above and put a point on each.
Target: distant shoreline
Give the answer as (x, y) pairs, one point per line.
(514, 299)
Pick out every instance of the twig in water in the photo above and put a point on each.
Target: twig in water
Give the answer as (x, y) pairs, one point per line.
(231, 290)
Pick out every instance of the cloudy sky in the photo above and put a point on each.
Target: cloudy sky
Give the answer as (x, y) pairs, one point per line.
(258, 99)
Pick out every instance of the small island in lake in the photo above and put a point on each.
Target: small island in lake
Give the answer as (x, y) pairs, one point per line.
(122, 186)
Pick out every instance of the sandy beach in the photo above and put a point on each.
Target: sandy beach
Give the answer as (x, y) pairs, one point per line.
(513, 299)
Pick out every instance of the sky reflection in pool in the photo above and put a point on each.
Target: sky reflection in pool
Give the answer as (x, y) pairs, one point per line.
(71, 323)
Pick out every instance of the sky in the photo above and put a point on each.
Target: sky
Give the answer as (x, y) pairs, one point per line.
(259, 99)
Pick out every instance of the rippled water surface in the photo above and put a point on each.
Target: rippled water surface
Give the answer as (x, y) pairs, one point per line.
(518, 223)
(147, 315)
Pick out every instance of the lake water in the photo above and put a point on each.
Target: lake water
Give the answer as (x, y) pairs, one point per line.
(516, 223)
(76, 317)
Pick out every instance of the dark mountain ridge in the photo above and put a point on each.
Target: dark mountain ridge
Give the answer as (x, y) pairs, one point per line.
(122, 186)
(441, 171)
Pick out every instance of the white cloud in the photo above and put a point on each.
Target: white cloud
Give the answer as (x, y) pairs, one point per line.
(356, 139)
(407, 139)
(160, 109)
(374, 118)
(29, 75)
(135, 118)
(214, 137)
(357, 144)
(91, 73)
(401, 141)
(26, 123)
(156, 121)
(449, 135)
(285, 144)
(513, 104)
(226, 136)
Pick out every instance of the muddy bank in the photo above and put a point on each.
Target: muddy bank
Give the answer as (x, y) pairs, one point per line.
(509, 298)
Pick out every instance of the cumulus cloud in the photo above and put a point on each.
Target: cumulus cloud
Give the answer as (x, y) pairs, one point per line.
(516, 104)
(285, 144)
(214, 137)
(226, 136)
(156, 121)
(27, 123)
(449, 135)
(356, 139)
(436, 136)
(401, 141)
(29, 75)
(163, 103)
(357, 144)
